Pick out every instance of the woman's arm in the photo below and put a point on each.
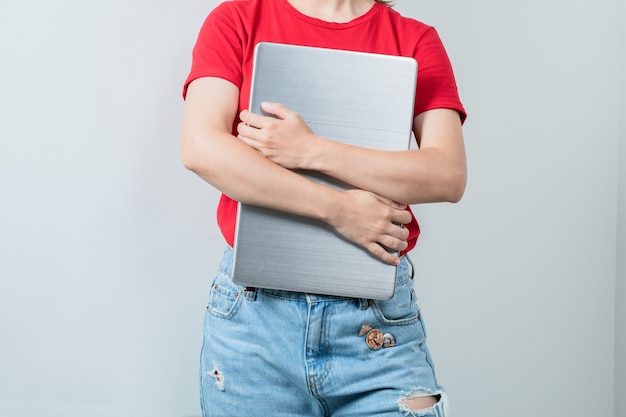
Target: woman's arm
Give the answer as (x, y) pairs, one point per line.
(244, 174)
(434, 173)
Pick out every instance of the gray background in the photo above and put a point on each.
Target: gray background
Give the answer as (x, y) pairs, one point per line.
(107, 244)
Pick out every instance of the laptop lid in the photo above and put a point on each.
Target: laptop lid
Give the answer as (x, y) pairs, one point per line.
(357, 98)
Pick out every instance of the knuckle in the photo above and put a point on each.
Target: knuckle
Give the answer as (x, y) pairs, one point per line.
(272, 129)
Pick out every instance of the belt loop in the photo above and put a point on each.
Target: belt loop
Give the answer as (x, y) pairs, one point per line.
(250, 293)
(411, 265)
(364, 303)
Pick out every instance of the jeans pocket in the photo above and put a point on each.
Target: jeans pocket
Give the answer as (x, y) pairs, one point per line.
(224, 296)
(401, 309)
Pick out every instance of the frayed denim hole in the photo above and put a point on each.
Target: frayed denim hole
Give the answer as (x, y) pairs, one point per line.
(439, 409)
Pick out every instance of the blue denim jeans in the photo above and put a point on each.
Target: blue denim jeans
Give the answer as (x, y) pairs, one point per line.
(278, 353)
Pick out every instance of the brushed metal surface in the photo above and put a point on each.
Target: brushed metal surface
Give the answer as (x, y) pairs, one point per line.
(352, 97)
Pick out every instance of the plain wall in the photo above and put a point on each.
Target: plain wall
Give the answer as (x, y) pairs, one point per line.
(620, 288)
(108, 244)
(518, 280)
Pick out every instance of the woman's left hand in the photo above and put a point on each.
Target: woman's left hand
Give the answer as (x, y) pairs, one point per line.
(284, 139)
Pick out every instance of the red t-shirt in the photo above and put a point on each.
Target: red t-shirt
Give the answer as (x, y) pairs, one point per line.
(225, 49)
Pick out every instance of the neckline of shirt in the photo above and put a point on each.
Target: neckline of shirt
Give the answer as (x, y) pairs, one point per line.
(332, 25)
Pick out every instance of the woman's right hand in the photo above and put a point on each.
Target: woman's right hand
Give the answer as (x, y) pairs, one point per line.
(372, 222)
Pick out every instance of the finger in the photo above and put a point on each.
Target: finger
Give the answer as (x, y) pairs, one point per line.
(252, 119)
(398, 232)
(247, 141)
(401, 216)
(276, 109)
(393, 243)
(394, 237)
(246, 130)
(241, 127)
(380, 253)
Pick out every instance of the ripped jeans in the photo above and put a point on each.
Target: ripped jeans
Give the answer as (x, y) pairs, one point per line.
(278, 353)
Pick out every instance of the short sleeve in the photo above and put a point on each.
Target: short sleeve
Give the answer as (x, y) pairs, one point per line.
(218, 48)
(436, 85)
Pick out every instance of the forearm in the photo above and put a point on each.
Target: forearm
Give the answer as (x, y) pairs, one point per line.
(411, 177)
(434, 173)
(244, 175)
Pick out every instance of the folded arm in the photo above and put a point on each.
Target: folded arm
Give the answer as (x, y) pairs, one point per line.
(434, 173)
(244, 174)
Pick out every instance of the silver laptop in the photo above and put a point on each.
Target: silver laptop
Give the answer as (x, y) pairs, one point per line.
(358, 98)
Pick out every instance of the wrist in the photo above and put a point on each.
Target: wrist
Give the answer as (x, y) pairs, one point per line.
(315, 149)
(330, 202)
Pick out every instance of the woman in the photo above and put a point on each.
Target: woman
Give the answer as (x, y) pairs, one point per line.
(278, 353)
